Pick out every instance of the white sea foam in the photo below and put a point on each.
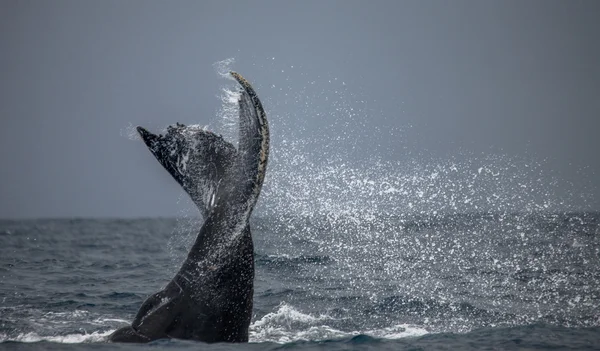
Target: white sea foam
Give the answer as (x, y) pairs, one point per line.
(67, 339)
(77, 326)
(288, 324)
(398, 331)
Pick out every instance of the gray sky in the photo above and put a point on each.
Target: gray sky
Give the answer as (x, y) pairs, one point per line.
(447, 79)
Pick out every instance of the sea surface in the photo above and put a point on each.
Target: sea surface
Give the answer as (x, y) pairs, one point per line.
(479, 280)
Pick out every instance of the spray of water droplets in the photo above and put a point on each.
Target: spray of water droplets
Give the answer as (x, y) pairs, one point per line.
(446, 244)
(130, 133)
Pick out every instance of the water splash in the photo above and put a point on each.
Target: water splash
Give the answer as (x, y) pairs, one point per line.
(411, 237)
(223, 67)
(130, 132)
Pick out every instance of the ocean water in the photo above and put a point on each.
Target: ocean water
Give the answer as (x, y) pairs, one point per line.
(455, 281)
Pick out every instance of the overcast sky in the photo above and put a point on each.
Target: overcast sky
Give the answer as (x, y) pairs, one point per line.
(447, 79)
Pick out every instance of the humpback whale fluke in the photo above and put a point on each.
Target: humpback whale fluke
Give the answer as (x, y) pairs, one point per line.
(210, 298)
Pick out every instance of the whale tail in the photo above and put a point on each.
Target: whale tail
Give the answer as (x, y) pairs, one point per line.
(204, 164)
(210, 298)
